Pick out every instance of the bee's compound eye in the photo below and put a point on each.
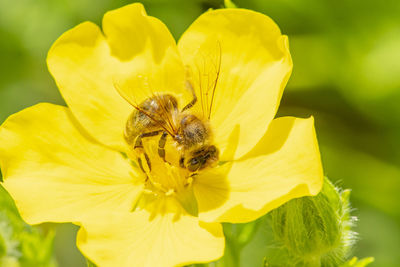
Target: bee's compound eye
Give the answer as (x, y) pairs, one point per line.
(194, 164)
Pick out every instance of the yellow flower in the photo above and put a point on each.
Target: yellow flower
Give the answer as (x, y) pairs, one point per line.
(70, 164)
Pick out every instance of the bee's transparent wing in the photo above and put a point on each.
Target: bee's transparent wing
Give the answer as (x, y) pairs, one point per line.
(203, 78)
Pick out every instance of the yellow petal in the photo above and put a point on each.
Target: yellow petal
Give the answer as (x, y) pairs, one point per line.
(284, 165)
(55, 173)
(81, 64)
(140, 240)
(137, 56)
(255, 67)
(147, 43)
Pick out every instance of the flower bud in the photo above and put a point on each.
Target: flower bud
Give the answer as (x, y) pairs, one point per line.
(315, 231)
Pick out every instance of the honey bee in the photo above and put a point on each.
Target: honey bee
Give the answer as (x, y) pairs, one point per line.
(160, 115)
(192, 135)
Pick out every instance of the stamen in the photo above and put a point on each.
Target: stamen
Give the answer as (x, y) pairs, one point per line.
(170, 192)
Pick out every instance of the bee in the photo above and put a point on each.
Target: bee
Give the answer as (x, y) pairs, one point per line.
(192, 134)
(160, 115)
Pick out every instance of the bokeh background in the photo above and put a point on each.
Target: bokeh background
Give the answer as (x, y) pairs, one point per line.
(346, 74)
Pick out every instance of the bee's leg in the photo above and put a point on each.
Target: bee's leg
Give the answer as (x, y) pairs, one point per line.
(161, 145)
(139, 147)
(189, 179)
(141, 167)
(140, 164)
(147, 160)
(194, 100)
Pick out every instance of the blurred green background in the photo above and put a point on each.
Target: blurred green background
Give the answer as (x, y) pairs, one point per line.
(346, 73)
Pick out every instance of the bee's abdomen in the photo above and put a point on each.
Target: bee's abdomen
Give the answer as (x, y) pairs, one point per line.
(151, 119)
(137, 124)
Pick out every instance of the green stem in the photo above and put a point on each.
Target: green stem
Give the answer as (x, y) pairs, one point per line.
(234, 250)
(233, 246)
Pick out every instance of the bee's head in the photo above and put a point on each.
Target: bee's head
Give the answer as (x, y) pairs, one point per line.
(202, 158)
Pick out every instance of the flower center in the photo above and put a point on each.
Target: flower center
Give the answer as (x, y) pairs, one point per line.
(163, 176)
(171, 145)
(164, 179)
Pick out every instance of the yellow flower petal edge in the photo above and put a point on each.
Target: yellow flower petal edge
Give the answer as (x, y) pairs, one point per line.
(137, 56)
(137, 239)
(57, 174)
(255, 65)
(284, 165)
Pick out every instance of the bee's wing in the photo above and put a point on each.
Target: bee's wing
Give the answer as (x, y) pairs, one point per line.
(167, 113)
(203, 77)
(163, 114)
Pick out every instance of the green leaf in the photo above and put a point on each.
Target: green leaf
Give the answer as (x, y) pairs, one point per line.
(20, 243)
